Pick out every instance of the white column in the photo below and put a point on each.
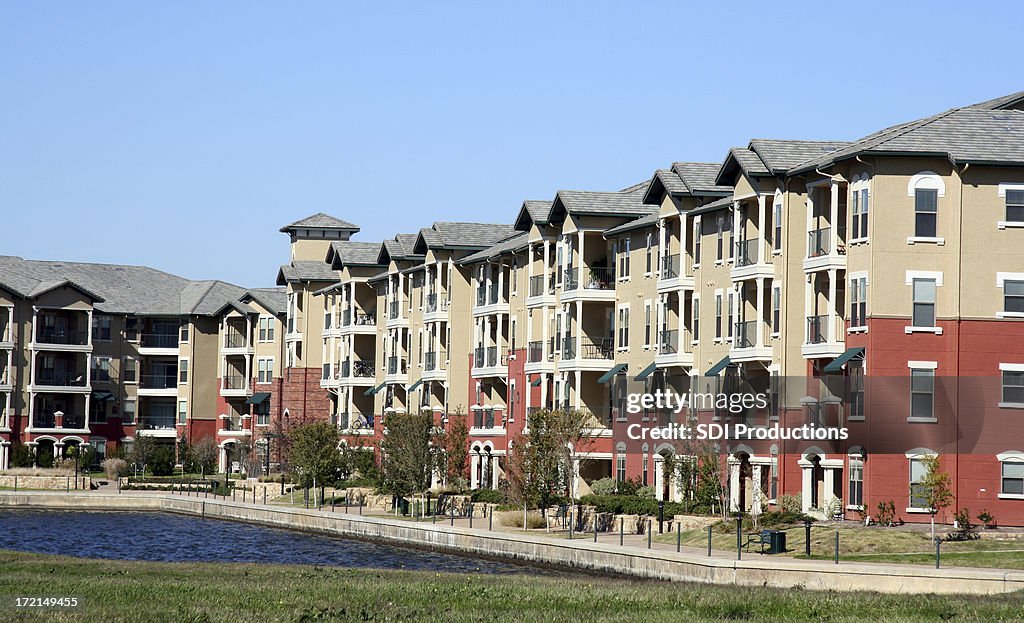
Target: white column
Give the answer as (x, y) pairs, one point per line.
(547, 259)
(494, 471)
(761, 237)
(580, 264)
(529, 263)
(808, 305)
(501, 278)
(828, 494)
(579, 380)
(807, 477)
(834, 220)
(659, 477)
(760, 312)
(474, 465)
(810, 221)
(684, 237)
(755, 506)
(579, 329)
(830, 335)
(734, 485)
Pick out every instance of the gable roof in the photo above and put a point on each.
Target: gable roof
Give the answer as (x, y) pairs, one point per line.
(685, 179)
(532, 211)
(320, 220)
(465, 236)
(274, 300)
(516, 242)
(646, 221)
(627, 203)
(349, 253)
(766, 157)
(305, 270)
(724, 202)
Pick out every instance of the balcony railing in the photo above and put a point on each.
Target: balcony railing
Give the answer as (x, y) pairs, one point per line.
(393, 309)
(599, 278)
(73, 420)
(158, 381)
(234, 381)
(166, 422)
(668, 341)
(50, 335)
(481, 296)
(568, 347)
(746, 252)
(360, 319)
(819, 242)
(492, 292)
(235, 340)
(436, 302)
(817, 329)
(492, 356)
(746, 334)
(478, 357)
(484, 418)
(44, 420)
(670, 266)
(430, 361)
(570, 281)
(362, 368)
(535, 351)
(53, 378)
(602, 415)
(598, 349)
(160, 340)
(541, 284)
(396, 365)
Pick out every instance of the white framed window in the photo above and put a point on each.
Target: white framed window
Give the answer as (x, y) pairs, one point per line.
(266, 329)
(858, 301)
(695, 319)
(731, 316)
(720, 238)
(128, 411)
(647, 324)
(855, 497)
(926, 188)
(649, 255)
(623, 256)
(1011, 475)
(918, 493)
(777, 222)
(265, 370)
(1014, 212)
(130, 370)
(182, 412)
(131, 329)
(922, 391)
(513, 287)
(101, 328)
(859, 203)
(776, 308)
(718, 315)
(923, 286)
(1012, 285)
(855, 379)
(1012, 385)
(623, 327)
(646, 464)
(183, 371)
(696, 241)
(183, 332)
(98, 412)
(101, 369)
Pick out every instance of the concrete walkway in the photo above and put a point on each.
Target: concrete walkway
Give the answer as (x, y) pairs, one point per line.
(606, 556)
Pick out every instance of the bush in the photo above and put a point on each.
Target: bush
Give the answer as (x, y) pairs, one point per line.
(886, 513)
(604, 486)
(488, 496)
(514, 519)
(965, 530)
(22, 455)
(986, 518)
(114, 468)
(790, 503)
(162, 461)
(646, 491)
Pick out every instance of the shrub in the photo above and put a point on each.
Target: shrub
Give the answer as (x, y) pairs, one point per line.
(790, 503)
(886, 513)
(114, 468)
(986, 518)
(514, 519)
(488, 496)
(604, 486)
(162, 461)
(965, 528)
(646, 491)
(22, 455)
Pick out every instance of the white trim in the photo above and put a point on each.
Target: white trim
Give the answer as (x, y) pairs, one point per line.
(925, 240)
(1002, 278)
(935, 330)
(1009, 224)
(920, 453)
(911, 275)
(923, 365)
(1011, 367)
(1014, 456)
(1005, 186)
(926, 180)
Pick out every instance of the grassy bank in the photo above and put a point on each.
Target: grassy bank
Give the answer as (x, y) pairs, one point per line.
(156, 592)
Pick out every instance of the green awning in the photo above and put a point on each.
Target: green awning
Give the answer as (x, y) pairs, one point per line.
(415, 385)
(646, 372)
(609, 375)
(536, 382)
(838, 363)
(718, 367)
(373, 390)
(103, 396)
(257, 398)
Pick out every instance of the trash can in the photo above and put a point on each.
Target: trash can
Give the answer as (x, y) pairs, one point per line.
(776, 541)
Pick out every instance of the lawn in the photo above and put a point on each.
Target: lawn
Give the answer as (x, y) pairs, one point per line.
(115, 591)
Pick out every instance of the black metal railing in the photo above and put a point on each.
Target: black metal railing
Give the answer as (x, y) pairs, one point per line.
(158, 381)
(569, 279)
(601, 348)
(492, 292)
(362, 368)
(237, 340)
(668, 341)
(166, 422)
(598, 278)
(50, 335)
(535, 351)
(569, 347)
(670, 266)
(478, 357)
(234, 381)
(819, 242)
(817, 329)
(396, 365)
(481, 296)
(492, 356)
(393, 310)
(746, 252)
(160, 340)
(53, 378)
(430, 360)
(746, 334)
(537, 285)
(73, 420)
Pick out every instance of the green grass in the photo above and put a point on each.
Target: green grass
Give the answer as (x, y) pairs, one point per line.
(114, 591)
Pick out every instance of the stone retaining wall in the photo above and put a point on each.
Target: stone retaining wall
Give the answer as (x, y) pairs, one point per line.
(584, 555)
(53, 483)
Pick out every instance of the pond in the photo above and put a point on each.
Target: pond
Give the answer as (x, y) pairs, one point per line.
(163, 537)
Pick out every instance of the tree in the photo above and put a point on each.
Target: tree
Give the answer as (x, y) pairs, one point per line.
(410, 453)
(935, 488)
(542, 462)
(314, 456)
(22, 455)
(456, 449)
(202, 456)
(142, 451)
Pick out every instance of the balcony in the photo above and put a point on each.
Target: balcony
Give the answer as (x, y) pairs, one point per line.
(670, 266)
(670, 352)
(48, 419)
(357, 322)
(492, 294)
(489, 362)
(822, 254)
(234, 340)
(596, 284)
(745, 260)
(600, 416)
(745, 346)
(746, 334)
(593, 354)
(393, 310)
(436, 307)
(397, 366)
(61, 337)
(820, 340)
(50, 378)
(481, 296)
(158, 342)
(535, 351)
(234, 385)
(157, 384)
(541, 285)
(486, 418)
(668, 341)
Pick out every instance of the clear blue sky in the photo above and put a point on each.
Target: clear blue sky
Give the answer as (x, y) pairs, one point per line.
(183, 135)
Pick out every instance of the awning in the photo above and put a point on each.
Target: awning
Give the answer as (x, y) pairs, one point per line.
(848, 354)
(103, 396)
(373, 390)
(536, 382)
(646, 372)
(257, 398)
(718, 367)
(609, 375)
(415, 385)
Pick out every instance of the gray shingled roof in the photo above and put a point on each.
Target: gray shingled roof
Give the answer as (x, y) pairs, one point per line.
(780, 156)
(320, 220)
(699, 177)
(349, 253)
(120, 289)
(1013, 100)
(585, 202)
(719, 204)
(444, 235)
(647, 221)
(274, 300)
(398, 248)
(515, 242)
(305, 270)
(970, 134)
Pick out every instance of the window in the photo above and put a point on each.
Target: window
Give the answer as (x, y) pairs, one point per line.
(1013, 386)
(1012, 478)
(183, 370)
(729, 318)
(776, 308)
(620, 467)
(718, 315)
(926, 212)
(623, 327)
(130, 370)
(265, 370)
(514, 277)
(773, 487)
(1015, 206)
(695, 319)
(650, 254)
(131, 329)
(777, 220)
(918, 493)
(696, 241)
(859, 302)
(719, 237)
(98, 411)
(647, 324)
(922, 393)
(183, 336)
(101, 369)
(266, 329)
(128, 411)
(624, 257)
(290, 355)
(101, 328)
(856, 497)
(924, 303)
(262, 411)
(859, 210)
(182, 411)
(1013, 297)
(728, 232)
(512, 333)
(646, 464)
(99, 449)
(856, 384)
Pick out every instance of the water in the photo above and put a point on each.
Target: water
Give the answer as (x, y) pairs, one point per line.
(161, 537)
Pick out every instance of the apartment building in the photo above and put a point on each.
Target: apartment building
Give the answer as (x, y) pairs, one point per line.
(98, 354)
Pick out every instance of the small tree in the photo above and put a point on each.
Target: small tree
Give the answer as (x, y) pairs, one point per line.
(935, 488)
(456, 449)
(411, 453)
(142, 451)
(202, 456)
(315, 457)
(541, 466)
